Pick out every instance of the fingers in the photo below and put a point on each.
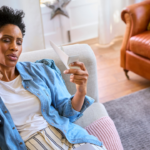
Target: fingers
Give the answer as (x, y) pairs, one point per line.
(79, 82)
(79, 77)
(76, 72)
(79, 64)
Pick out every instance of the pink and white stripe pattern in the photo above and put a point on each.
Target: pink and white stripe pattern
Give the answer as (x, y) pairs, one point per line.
(105, 130)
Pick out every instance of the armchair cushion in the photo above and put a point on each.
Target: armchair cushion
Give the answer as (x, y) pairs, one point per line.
(139, 44)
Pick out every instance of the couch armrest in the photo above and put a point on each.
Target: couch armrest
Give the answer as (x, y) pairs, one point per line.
(136, 17)
(86, 56)
(91, 114)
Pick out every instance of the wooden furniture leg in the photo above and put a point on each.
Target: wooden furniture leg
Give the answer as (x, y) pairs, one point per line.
(126, 73)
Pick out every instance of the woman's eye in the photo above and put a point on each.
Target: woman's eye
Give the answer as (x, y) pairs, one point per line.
(19, 43)
(6, 40)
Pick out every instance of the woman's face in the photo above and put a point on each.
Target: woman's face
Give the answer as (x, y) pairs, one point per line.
(10, 45)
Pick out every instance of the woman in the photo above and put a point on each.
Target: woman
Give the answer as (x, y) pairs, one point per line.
(36, 110)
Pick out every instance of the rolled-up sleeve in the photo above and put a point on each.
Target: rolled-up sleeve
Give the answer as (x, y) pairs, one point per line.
(72, 114)
(61, 98)
(63, 101)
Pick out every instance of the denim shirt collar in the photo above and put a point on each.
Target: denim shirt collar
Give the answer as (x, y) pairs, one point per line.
(24, 75)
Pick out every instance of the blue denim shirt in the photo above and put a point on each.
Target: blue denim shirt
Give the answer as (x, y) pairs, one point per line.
(56, 108)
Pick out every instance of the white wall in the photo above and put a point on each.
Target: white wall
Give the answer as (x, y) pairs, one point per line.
(82, 23)
(34, 38)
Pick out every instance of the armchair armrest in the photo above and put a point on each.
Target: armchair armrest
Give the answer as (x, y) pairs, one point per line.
(125, 43)
(136, 17)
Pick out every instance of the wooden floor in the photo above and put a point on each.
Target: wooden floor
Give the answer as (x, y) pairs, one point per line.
(112, 82)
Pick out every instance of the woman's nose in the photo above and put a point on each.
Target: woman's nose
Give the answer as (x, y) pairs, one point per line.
(14, 46)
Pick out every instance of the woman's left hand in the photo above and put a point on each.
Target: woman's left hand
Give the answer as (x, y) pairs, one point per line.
(79, 77)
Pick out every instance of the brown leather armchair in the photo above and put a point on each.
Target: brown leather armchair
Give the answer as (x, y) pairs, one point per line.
(135, 50)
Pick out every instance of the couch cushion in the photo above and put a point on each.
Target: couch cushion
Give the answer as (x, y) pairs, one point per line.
(140, 44)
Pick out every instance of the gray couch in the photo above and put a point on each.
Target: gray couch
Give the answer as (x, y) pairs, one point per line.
(86, 54)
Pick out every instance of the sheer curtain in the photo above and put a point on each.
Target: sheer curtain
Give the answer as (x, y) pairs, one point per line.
(110, 23)
(34, 38)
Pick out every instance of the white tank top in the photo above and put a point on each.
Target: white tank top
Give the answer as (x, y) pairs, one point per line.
(24, 107)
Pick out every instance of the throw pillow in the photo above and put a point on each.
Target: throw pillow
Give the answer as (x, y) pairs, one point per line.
(105, 130)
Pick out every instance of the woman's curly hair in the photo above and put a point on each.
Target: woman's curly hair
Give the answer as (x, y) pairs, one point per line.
(11, 16)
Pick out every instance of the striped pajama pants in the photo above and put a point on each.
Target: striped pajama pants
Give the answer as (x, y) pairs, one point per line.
(52, 139)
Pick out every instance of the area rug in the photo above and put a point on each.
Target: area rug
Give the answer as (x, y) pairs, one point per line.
(131, 115)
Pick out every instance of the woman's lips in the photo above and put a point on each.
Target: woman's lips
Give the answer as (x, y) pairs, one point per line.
(11, 57)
